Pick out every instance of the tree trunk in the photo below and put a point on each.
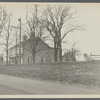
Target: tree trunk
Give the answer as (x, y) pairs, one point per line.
(33, 55)
(7, 57)
(60, 51)
(55, 52)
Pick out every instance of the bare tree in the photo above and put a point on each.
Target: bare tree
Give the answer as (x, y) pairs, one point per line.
(71, 54)
(4, 16)
(34, 29)
(6, 37)
(74, 52)
(57, 20)
(86, 56)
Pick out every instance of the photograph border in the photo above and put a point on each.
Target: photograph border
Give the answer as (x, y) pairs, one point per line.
(42, 97)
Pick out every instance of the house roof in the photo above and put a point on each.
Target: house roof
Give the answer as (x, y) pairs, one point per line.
(27, 41)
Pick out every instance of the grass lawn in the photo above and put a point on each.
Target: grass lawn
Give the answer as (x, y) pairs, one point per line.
(87, 73)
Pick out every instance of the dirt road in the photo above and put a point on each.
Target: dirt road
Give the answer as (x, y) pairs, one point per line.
(15, 85)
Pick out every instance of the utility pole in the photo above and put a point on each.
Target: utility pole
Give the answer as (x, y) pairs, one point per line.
(16, 47)
(20, 43)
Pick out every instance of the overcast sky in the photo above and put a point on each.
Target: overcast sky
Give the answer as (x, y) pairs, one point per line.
(87, 14)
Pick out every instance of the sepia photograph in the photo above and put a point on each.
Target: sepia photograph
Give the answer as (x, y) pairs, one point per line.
(49, 48)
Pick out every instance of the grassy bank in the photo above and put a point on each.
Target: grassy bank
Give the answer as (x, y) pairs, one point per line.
(87, 73)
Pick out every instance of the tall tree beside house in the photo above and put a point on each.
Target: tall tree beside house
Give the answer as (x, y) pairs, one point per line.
(6, 36)
(5, 16)
(58, 22)
(34, 28)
